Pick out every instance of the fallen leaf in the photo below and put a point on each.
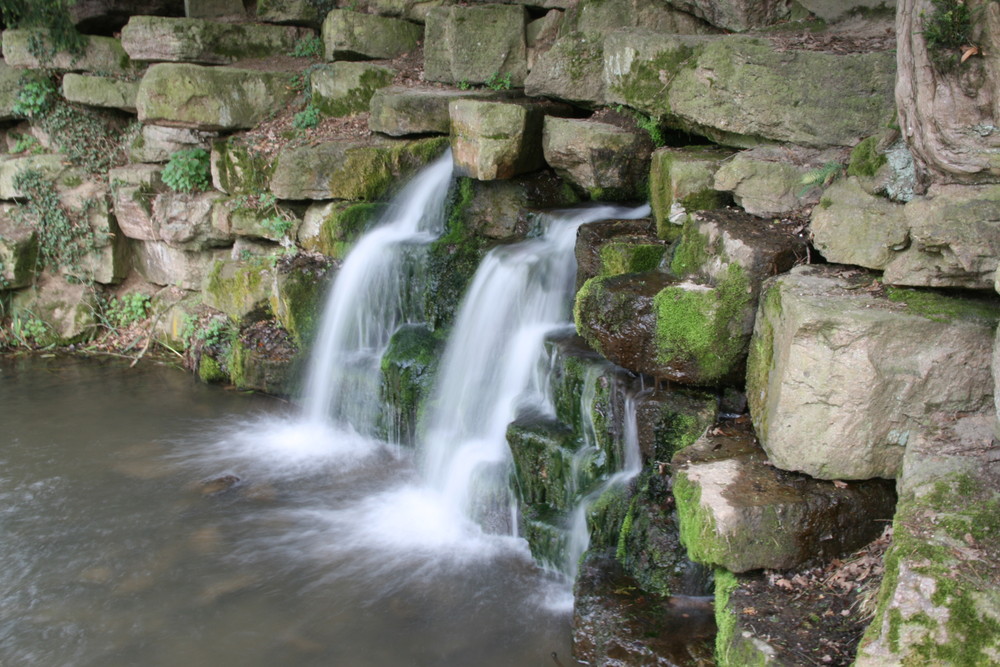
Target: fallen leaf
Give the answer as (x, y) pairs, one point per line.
(968, 52)
(840, 484)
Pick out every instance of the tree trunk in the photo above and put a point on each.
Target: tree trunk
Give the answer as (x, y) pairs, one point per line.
(948, 118)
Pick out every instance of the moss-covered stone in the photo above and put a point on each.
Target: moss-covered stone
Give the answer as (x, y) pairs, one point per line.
(866, 158)
(684, 177)
(18, 252)
(345, 88)
(408, 368)
(543, 453)
(351, 35)
(300, 283)
(263, 358)
(238, 169)
(496, 140)
(851, 226)
(201, 40)
(332, 228)
(237, 288)
(572, 69)
(100, 91)
(211, 371)
(621, 257)
(497, 30)
(67, 309)
(100, 54)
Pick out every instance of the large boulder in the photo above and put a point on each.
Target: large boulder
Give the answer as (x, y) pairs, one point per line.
(332, 228)
(350, 35)
(300, 284)
(840, 379)
(348, 170)
(852, 226)
(682, 180)
(163, 264)
(103, 55)
(156, 143)
(496, 140)
(100, 91)
(188, 220)
(571, 69)
(210, 98)
(476, 44)
(237, 287)
(403, 110)
(606, 161)
(739, 512)
(133, 190)
(345, 88)
(954, 239)
(67, 309)
(616, 247)
(198, 40)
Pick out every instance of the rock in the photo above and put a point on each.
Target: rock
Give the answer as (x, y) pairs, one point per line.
(300, 283)
(297, 12)
(198, 40)
(501, 209)
(839, 379)
(616, 247)
(157, 143)
(50, 166)
(769, 182)
(740, 513)
(401, 110)
(346, 88)
(794, 106)
(217, 485)
(133, 190)
(352, 35)
(209, 9)
(496, 140)
(10, 86)
(163, 264)
(176, 309)
(18, 251)
(543, 451)
(103, 55)
(332, 227)
(236, 218)
(572, 70)
(237, 287)
(476, 44)
(186, 220)
(851, 226)
(600, 17)
(238, 168)
(682, 180)
(67, 309)
(954, 239)
(615, 622)
(105, 17)
(100, 91)
(833, 10)
(210, 98)
(735, 15)
(606, 161)
(348, 169)
(408, 369)
(264, 358)
(106, 259)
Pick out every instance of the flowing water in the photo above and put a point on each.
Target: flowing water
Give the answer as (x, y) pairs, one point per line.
(125, 538)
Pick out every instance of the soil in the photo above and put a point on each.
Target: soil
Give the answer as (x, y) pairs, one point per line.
(815, 615)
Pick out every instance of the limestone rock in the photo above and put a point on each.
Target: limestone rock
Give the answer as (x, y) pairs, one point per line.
(186, 220)
(296, 12)
(954, 236)
(769, 182)
(348, 170)
(99, 91)
(300, 283)
(408, 368)
(739, 513)
(237, 287)
(736, 15)
(51, 166)
(237, 168)
(210, 9)
(761, 94)
(198, 40)
(839, 380)
(572, 70)
(474, 43)
(157, 143)
(163, 264)
(106, 258)
(501, 210)
(263, 358)
(67, 308)
(600, 17)
(18, 251)
(851, 226)
(352, 35)
(616, 247)
(345, 88)
(402, 110)
(606, 161)
(682, 180)
(101, 54)
(10, 86)
(833, 10)
(133, 189)
(332, 228)
(496, 140)
(235, 218)
(210, 98)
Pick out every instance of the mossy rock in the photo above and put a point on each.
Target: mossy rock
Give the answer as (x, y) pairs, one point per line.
(497, 30)
(100, 54)
(263, 358)
(68, 310)
(100, 91)
(205, 41)
(237, 287)
(684, 178)
(238, 169)
(332, 228)
(18, 251)
(408, 365)
(345, 88)
(351, 35)
(543, 453)
(300, 284)
(616, 247)
(572, 69)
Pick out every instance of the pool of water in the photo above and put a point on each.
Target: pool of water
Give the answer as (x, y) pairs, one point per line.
(149, 519)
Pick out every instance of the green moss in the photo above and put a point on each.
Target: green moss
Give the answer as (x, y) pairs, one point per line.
(356, 99)
(619, 257)
(704, 327)
(408, 368)
(589, 295)
(236, 288)
(691, 252)
(760, 360)
(866, 159)
(725, 618)
(697, 525)
(940, 308)
(211, 371)
(642, 87)
(621, 550)
(240, 169)
(344, 225)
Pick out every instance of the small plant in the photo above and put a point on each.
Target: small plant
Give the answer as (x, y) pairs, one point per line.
(25, 143)
(188, 171)
(648, 123)
(127, 310)
(498, 82)
(308, 47)
(277, 225)
(35, 97)
(307, 119)
(216, 332)
(948, 33)
(28, 331)
(464, 85)
(821, 177)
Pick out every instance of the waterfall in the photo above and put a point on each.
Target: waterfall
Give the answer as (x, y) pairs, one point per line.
(370, 298)
(519, 294)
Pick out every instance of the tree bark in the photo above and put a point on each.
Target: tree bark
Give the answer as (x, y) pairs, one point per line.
(948, 118)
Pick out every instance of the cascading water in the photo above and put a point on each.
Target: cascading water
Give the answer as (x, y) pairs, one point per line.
(520, 293)
(370, 298)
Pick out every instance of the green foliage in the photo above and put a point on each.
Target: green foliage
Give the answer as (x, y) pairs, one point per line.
(866, 159)
(307, 119)
(496, 81)
(64, 235)
(25, 143)
(28, 331)
(127, 310)
(35, 98)
(214, 333)
(188, 171)
(648, 123)
(275, 219)
(90, 138)
(53, 16)
(464, 85)
(821, 177)
(947, 29)
(308, 47)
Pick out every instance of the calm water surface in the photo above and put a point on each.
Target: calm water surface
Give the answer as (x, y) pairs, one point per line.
(125, 537)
